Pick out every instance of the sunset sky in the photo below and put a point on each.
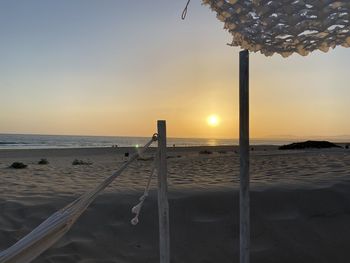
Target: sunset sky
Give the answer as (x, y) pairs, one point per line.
(112, 67)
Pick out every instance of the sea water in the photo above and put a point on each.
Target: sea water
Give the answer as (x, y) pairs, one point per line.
(35, 141)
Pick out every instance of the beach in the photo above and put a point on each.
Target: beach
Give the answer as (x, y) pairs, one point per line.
(248, 128)
(300, 204)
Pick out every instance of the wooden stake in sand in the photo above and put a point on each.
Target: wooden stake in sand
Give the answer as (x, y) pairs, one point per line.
(163, 206)
(244, 155)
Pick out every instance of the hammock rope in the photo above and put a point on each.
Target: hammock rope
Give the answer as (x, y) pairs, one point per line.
(184, 12)
(54, 227)
(137, 208)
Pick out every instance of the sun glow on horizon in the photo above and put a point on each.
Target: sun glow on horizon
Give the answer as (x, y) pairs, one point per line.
(213, 120)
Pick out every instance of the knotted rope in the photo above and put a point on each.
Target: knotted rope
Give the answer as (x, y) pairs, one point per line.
(137, 208)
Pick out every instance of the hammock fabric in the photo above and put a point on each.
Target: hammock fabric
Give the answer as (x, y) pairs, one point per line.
(53, 228)
(285, 26)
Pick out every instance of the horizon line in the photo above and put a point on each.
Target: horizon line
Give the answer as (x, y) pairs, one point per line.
(267, 137)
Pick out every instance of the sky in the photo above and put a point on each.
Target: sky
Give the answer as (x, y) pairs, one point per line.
(113, 67)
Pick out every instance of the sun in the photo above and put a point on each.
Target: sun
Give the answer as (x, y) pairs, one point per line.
(213, 120)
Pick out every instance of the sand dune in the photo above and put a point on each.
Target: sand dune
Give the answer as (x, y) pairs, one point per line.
(300, 206)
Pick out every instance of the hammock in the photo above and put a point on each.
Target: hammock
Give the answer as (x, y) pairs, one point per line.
(54, 227)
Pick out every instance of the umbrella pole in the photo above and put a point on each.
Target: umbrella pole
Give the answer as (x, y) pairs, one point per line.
(244, 155)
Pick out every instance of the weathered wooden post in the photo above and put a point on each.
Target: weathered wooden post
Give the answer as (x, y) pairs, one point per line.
(163, 206)
(244, 155)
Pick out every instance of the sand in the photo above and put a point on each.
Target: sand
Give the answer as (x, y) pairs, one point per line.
(300, 205)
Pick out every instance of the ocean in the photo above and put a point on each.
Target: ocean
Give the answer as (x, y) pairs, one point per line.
(31, 141)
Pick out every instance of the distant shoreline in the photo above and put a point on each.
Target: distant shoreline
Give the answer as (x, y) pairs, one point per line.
(18, 141)
(86, 151)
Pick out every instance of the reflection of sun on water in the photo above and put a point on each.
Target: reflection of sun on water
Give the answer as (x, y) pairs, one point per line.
(213, 120)
(212, 142)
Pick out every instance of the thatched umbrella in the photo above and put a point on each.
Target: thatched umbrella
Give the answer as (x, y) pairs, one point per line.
(275, 26)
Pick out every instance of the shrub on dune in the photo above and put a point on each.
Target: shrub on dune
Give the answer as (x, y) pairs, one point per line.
(205, 152)
(43, 161)
(80, 162)
(18, 165)
(309, 145)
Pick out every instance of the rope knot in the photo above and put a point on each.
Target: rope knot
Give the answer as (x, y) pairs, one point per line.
(155, 137)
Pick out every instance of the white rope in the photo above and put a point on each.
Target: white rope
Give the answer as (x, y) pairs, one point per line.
(137, 208)
(54, 227)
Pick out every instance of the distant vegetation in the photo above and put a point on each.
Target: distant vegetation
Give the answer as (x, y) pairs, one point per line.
(18, 165)
(150, 158)
(43, 161)
(309, 145)
(205, 152)
(80, 162)
(173, 156)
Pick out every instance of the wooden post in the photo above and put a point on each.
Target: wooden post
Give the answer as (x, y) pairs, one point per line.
(163, 206)
(244, 155)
